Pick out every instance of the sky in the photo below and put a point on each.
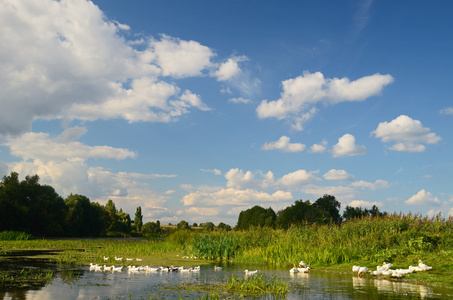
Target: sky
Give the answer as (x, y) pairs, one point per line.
(198, 110)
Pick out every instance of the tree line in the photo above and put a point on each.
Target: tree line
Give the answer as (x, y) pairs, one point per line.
(325, 210)
(37, 209)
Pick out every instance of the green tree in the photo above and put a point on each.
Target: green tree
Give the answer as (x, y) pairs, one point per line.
(256, 216)
(183, 225)
(138, 220)
(78, 216)
(151, 228)
(329, 204)
(111, 217)
(124, 222)
(209, 226)
(223, 226)
(300, 212)
(30, 206)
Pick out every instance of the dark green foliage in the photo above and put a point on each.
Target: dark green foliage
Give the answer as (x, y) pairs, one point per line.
(38, 210)
(359, 212)
(209, 226)
(329, 204)
(301, 212)
(183, 225)
(138, 220)
(31, 207)
(223, 226)
(151, 228)
(256, 216)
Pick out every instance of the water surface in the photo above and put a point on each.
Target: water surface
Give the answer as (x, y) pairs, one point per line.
(86, 284)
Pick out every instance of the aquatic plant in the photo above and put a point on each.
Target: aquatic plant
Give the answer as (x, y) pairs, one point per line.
(258, 284)
(14, 236)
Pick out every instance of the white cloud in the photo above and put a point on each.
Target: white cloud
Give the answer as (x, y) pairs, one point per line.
(283, 144)
(62, 163)
(319, 148)
(233, 197)
(447, 111)
(299, 177)
(65, 59)
(300, 94)
(433, 212)
(237, 179)
(42, 147)
(366, 204)
(338, 175)
(229, 69)
(179, 58)
(378, 184)
(239, 100)
(215, 171)
(407, 134)
(423, 198)
(346, 147)
(344, 194)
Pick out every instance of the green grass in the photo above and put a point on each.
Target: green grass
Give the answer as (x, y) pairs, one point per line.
(399, 239)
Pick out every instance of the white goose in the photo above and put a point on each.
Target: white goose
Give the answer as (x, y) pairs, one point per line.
(106, 258)
(133, 268)
(117, 269)
(118, 258)
(424, 267)
(108, 268)
(362, 271)
(247, 272)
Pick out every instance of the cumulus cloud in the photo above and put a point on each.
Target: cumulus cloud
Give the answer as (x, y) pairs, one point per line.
(300, 94)
(299, 177)
(378, 184)
(283, 144)
(238, 179)
(423, 198)
(341, 175)
(61, 162)
(319, 148)
(44, 148)
(406, 133)
(346, 147)
(233, 197)
(229, 69)
(179, 58)
(75, 63)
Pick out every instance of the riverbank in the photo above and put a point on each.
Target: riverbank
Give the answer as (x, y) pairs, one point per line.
(397, 239)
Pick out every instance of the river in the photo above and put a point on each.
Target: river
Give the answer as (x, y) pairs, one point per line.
(90, 284)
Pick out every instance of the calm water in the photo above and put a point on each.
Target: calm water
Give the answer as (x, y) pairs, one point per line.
(158, 285)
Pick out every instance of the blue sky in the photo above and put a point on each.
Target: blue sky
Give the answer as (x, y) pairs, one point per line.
(197, 110)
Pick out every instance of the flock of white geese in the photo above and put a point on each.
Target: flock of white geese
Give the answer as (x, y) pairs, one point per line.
(131, 268)
(386, 270)
(113, 268)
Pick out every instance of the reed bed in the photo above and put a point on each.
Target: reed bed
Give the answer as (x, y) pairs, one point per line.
(389, 238)
(258, 285)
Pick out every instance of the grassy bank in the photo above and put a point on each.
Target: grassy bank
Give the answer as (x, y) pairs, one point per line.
(399, 239)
